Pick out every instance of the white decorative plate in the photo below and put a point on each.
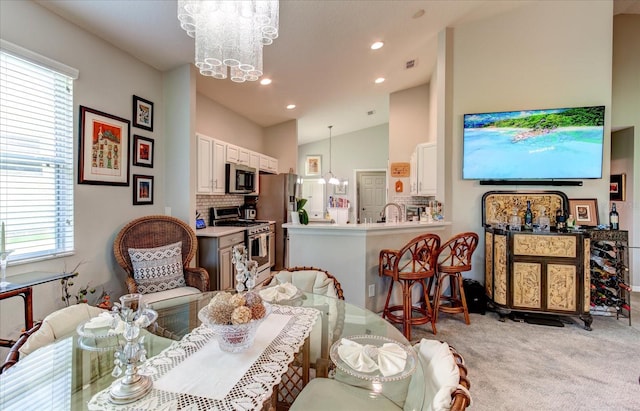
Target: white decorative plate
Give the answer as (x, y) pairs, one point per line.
(376, 341)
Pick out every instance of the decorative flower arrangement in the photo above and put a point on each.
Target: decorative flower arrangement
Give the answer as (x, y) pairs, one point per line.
(226, 308)
(247, 269)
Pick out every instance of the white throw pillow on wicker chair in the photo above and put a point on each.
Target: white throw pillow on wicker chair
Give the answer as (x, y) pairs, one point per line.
(157, 269)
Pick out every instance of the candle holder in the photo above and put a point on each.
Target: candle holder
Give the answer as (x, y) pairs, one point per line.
(131, 353)
(4, 255)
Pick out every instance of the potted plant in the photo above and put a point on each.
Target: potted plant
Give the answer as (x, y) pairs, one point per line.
(302, 213)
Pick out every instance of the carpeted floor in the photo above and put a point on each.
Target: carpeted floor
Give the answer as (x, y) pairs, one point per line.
(519, 366)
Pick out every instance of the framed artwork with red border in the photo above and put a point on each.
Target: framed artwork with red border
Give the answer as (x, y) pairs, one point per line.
(142, 151)
(103, 156)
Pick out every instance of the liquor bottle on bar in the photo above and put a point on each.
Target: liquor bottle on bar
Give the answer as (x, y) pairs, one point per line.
(613, 217)
(561, 225)
(528, 217)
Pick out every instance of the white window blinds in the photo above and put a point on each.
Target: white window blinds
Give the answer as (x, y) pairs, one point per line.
(36, 154)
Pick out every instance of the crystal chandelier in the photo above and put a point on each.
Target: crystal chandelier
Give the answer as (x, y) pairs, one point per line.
(229, 35)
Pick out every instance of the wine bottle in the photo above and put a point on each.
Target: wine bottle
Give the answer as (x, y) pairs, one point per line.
(528, 217)
(613, 217)
(561, 224)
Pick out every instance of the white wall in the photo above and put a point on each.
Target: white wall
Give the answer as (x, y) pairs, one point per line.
(108, 79)
(540, 55)
(217, 121)
(281, 142)
(626, 113)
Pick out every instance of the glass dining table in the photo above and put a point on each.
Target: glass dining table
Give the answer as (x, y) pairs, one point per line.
(66, 376)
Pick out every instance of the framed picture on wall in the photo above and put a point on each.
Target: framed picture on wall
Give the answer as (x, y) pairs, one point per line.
(103, 156)
(142, 151)
(142, 113)
(142, 189)
(313, 165)
(585, 211)
(617, 187)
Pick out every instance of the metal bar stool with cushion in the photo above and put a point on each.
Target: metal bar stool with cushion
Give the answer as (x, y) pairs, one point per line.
(413, 264)
(454, 257)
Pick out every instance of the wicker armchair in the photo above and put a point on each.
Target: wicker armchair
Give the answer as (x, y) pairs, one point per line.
(156, 231)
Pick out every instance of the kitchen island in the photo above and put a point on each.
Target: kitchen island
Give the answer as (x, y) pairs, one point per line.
(350, 252)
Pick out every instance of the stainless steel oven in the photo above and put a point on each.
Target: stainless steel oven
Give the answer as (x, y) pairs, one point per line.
(259, 247)
(257, 236)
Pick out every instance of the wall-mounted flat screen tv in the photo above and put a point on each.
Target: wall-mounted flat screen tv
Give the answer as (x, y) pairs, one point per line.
(562, 143)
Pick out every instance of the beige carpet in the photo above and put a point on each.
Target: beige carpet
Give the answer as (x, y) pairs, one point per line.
(518, 366)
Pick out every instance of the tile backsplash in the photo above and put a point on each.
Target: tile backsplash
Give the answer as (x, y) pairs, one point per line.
(204, 202)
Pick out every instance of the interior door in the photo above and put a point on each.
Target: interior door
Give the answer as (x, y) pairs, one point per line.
(371, 194)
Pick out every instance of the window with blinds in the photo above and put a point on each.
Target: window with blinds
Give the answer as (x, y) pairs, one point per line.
(36, 154)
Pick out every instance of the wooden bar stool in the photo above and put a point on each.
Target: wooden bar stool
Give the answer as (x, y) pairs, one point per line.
(453, 258)
(411, 265)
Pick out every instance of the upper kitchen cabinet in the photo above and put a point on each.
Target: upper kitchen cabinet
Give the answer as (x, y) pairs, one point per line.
(424, 162)
(237, 155)
(254, 162)
(211, 155)
(268, 164)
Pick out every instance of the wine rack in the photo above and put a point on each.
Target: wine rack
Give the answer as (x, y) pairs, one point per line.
(610, 290)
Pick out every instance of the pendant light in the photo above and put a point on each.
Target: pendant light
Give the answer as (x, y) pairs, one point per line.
(330, 178)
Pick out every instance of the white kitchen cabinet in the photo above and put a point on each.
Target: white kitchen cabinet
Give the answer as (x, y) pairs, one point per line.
(210, 165)
(254, 162)
(413, 174)
(426, 169)
(237, 155)
(204, 179)
(219, 152)
(268, 164)
(273, 165)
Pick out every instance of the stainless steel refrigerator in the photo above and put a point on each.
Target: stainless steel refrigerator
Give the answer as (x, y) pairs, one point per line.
(277, 198)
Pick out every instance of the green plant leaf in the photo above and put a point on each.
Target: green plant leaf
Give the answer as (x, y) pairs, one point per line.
(304, 217)
(300, 203)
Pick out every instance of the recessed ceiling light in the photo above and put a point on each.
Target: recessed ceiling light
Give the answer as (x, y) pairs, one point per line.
(379, 80)
(265, 81)
(377, 45)
(418, 14)
(291, 106)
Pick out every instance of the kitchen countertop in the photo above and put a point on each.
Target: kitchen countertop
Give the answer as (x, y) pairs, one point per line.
(406, 225)
(218, 231)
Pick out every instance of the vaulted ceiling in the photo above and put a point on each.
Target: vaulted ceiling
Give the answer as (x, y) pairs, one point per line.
(321, 61)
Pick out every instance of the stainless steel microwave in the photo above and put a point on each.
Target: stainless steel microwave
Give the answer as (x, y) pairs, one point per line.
(240, 179)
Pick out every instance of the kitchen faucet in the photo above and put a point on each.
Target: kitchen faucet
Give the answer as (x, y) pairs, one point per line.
(383, 217)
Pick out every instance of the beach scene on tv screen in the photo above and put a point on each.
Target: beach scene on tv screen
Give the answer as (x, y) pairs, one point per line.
(534, 144)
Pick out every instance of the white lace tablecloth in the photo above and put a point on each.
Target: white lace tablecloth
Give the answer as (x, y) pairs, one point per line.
(237, 381)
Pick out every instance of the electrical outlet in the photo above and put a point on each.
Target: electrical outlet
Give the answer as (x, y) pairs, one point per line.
(372, 290)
